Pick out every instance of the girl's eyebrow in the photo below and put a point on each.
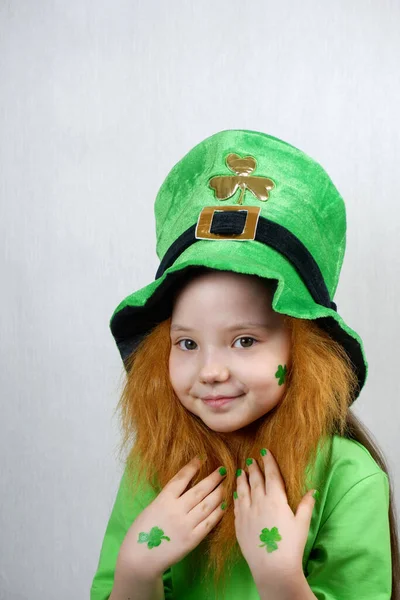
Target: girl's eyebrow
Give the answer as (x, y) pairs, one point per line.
(246, 325)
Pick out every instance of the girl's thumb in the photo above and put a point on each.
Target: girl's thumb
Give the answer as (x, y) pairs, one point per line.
(305, 509)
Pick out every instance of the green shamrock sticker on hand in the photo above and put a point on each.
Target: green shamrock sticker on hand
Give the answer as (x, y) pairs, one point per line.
(270, 537)
(281, 374)
(153, 538)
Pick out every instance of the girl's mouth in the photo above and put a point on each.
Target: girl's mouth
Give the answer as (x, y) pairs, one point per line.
(217, 401)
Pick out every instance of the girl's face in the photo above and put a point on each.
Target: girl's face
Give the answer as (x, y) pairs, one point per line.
(227, 341)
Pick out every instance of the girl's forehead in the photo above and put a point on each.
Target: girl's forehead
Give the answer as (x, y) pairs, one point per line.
(226, 322)
(224, 281)
(224, 301)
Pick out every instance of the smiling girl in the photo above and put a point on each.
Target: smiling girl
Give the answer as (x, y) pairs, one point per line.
(231, 354)
(247, 474)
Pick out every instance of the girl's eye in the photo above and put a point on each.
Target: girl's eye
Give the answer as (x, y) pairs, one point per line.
(247, 342)
(188, 344)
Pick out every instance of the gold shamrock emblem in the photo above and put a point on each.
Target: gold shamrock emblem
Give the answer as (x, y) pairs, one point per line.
(226, 185)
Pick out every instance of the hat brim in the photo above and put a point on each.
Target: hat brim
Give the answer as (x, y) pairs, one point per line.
(139, 312)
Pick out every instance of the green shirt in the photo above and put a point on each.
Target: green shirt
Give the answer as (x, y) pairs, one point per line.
(347, 554)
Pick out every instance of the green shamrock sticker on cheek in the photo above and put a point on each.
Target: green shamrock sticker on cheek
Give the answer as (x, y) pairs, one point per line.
(281, 374)
(270, 537)
(153, 538)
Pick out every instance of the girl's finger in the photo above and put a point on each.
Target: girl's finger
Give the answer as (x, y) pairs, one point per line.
(208, 523)
(207, 506)
(178, 484)
(256, 480)
(274, 483)
(201, 490)
(242, 489)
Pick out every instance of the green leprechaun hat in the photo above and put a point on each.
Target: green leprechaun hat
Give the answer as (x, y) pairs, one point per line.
(248, 202)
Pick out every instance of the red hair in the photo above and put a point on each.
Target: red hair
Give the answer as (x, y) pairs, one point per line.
(315, 406)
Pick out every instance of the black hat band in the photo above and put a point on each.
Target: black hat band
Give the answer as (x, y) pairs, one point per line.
(229, 223)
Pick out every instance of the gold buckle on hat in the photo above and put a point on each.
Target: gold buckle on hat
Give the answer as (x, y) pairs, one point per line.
(206, 216)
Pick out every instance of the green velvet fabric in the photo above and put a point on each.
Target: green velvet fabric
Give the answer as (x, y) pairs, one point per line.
(304, 198)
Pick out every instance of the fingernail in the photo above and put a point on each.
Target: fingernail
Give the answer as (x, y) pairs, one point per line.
(249, 461)
(238, 472)
(235, 495)
(202, 456)
(316, 494)
(263, 452)
(222, 471)
(223, 505)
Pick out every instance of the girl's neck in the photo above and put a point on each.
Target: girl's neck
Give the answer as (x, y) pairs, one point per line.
(236, 439)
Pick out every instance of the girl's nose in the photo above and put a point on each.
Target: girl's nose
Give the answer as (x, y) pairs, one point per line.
(210, 373)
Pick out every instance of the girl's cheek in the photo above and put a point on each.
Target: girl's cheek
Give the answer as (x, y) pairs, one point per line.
(180, 373)
(173, 372)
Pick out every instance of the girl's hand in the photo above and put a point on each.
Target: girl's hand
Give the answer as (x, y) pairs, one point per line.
(271, 537)
(173, 524)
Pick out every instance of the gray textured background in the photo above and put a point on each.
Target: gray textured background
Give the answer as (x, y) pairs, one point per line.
(98, 100)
